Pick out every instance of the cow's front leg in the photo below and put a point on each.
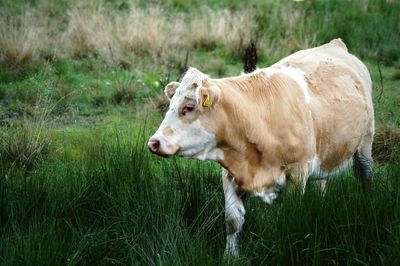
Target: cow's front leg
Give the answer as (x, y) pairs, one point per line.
(234, 214)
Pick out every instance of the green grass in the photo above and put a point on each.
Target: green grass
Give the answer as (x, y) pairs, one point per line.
(78, 185)
(117, 203)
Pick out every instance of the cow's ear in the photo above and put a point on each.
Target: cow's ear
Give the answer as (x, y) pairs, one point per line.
(207, 97)
(171, 88)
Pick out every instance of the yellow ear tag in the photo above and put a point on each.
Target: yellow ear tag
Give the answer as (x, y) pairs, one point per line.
(207, 101)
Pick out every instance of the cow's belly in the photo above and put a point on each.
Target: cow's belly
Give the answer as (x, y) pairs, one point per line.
(336, 149)
(340, 122)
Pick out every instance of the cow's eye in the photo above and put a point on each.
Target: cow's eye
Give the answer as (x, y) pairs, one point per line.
(187, 108)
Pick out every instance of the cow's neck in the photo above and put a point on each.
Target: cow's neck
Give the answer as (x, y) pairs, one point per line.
(246, 161)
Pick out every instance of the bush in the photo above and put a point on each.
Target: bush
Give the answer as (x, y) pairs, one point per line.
(21, 37)
(25, 144)
(386, 146)
(125, 88)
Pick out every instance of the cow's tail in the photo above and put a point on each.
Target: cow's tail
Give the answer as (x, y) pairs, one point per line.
(362, 167)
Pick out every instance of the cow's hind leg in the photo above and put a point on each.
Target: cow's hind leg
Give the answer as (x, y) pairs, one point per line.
(234, 214)
(362, 162)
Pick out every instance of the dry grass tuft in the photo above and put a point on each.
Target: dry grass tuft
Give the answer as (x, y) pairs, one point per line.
(125, 89)
(21, 37)
(90, 32)
(27, 142)
(233, 30)
(91, 29)
(386, 146)
(143, 31)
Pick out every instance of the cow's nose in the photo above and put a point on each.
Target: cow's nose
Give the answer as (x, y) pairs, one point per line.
(154, 145)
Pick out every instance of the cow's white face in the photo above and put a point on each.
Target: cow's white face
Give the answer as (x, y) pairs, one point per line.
(183, 131)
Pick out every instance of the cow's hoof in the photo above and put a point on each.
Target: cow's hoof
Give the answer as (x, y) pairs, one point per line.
(269, 198)
(230, 256)
(231, 253)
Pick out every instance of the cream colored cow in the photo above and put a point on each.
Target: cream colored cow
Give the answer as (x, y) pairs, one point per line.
(309, 114)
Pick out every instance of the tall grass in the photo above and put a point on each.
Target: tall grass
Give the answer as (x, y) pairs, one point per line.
(96, 30)
(162, 31)
(89, 32)
(21, 37)
(119, 204)
(26, 142)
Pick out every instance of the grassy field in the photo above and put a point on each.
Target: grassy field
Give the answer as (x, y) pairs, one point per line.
(81, 91)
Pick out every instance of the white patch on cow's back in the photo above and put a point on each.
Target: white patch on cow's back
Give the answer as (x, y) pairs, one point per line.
(269, 71)
(296, 74)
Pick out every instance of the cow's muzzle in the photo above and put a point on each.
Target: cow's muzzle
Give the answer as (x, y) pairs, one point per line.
(154, 145)
(160, 146)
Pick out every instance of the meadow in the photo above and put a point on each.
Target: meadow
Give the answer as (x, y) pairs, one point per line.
(81, 91)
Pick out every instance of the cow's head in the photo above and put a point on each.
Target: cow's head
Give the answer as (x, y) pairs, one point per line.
(189, 129)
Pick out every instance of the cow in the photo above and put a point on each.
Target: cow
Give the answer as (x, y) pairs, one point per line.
(309, 114)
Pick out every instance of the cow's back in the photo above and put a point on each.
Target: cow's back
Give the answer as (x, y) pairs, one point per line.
(333, 53)
(339, 86)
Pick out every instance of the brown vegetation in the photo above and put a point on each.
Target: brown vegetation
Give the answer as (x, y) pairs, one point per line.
(27, 142)
(21, 37)
(386, 144)
(93, 30)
